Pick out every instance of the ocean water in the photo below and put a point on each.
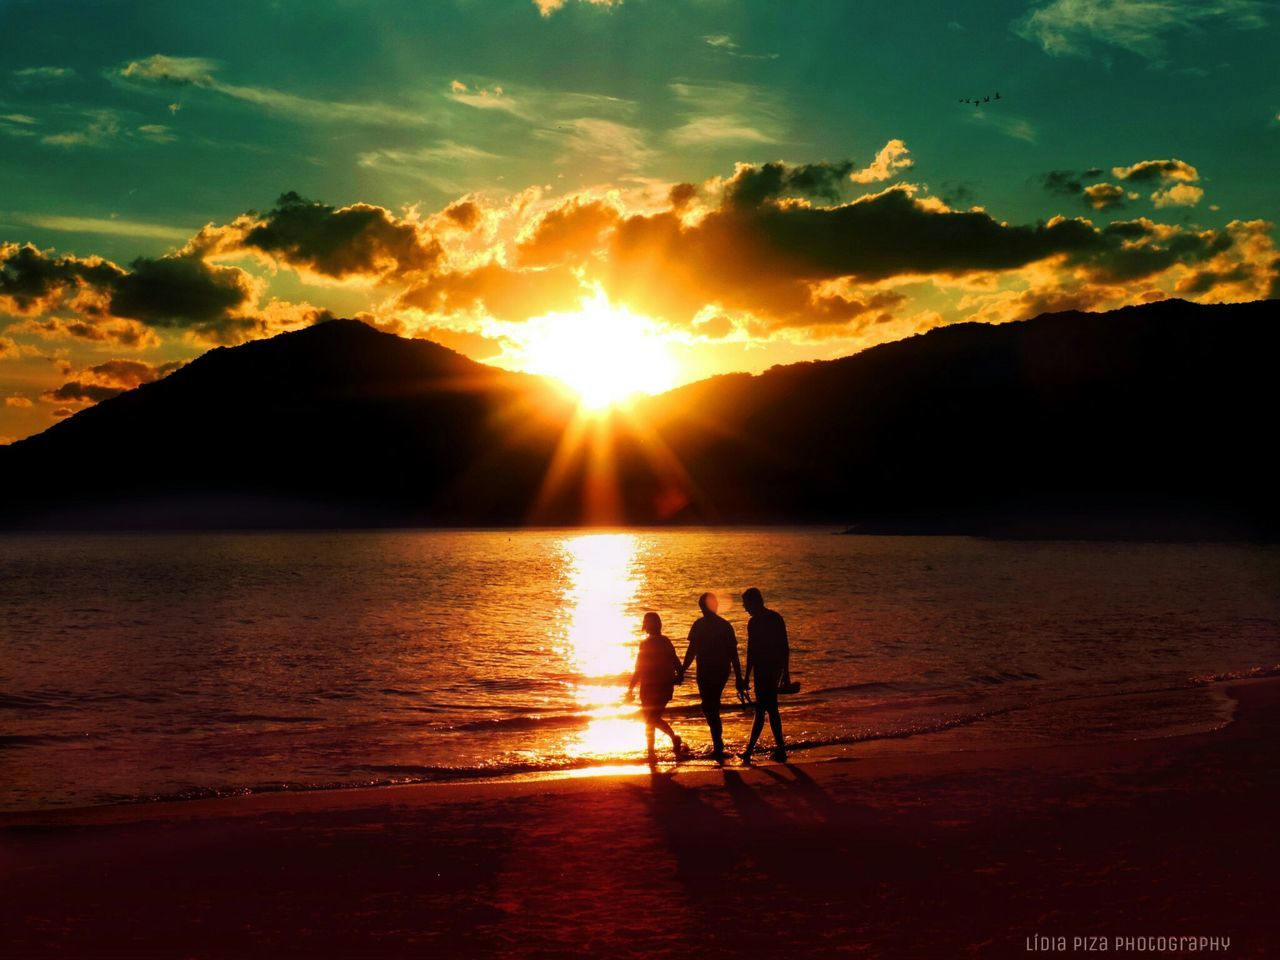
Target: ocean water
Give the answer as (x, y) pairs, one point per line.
(185, 665)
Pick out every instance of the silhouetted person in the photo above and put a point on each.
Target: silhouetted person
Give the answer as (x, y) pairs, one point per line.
(714, 645)
(657, 669)
(769, 655)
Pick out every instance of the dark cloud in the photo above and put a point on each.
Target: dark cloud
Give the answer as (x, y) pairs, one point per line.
(1067, 183)
(30, 279)
(464, 214)
(76, 391)
(1158, 171)
(361, 239)
(681, 195)
(105, 380)
(766, 257)
(751, 185)
(1095, 196)
(1118, 258)
(181, 291)
(112, 304)
(955, 193)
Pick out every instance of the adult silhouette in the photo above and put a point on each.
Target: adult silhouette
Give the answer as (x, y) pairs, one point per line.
(657, 669)
(769, 655)
(714, 645)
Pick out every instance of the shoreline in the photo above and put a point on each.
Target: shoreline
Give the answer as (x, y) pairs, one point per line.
(942, 854)
(960, 735)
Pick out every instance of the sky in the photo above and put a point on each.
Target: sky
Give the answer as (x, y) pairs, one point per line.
(701, 186)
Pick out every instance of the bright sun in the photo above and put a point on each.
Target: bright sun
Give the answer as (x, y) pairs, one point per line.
(605, 353)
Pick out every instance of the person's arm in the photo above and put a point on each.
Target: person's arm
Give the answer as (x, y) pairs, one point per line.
(786, 651)
(675, 662)
(733, 657)
(746, 674)
(635, 678)
(690, 651)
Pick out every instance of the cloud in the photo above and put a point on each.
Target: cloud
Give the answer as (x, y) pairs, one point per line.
(727, 129)
(566, 234)
(548, 7)
(105, 380)
(33, 282)
(1175, 180)
(110, 303)
(16, 400)
(501, 292)
(1014, 127)
(100, 128)
(1104, 196)
(752, 184)
(93, 328)
(724, 43)
(1178, 195)
(199, 73)
(725, 112)
(1065, 182)
(111, 227)
(893, 158)
(360, 241)
(772, 250)
(437, 165)
(482, 98)
(600, 141)
(182, 291)
(1158, 171)
(45, 74)
(1076, 27)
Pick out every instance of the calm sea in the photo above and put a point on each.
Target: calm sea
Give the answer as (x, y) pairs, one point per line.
(149, 666)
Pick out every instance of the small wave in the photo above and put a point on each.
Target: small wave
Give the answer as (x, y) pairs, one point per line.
(1248, 673)
(259, 718)
(881, 686)
(11, 741)
(525, 722)
(1001, 677)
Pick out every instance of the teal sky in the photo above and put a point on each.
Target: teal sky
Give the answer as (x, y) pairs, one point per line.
(125, 127)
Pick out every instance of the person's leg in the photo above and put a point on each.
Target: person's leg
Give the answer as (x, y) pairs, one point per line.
(711, 692)
(665, 727)
(756, 726)
(775, 724)
(648, 733)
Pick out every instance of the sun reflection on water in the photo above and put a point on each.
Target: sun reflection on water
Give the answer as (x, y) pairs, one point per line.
(600, 634)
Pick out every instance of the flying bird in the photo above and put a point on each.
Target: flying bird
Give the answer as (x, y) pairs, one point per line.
(979, 101)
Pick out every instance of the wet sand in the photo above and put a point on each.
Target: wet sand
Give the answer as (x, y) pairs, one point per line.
(957, 854)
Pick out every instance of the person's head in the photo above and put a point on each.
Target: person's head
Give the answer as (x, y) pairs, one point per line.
(752, 601)
(652, 624)
(709, 603)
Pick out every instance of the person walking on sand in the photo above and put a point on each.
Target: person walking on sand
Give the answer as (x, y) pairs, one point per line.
(714, 645)
(769, 655)
(657, 670)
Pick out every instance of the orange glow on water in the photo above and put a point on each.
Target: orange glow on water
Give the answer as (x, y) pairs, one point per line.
(600, 630)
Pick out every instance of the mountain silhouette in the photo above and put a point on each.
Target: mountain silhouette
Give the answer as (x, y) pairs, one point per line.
(1144, 421)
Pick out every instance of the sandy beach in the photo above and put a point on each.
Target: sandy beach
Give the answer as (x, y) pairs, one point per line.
(966, 853)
